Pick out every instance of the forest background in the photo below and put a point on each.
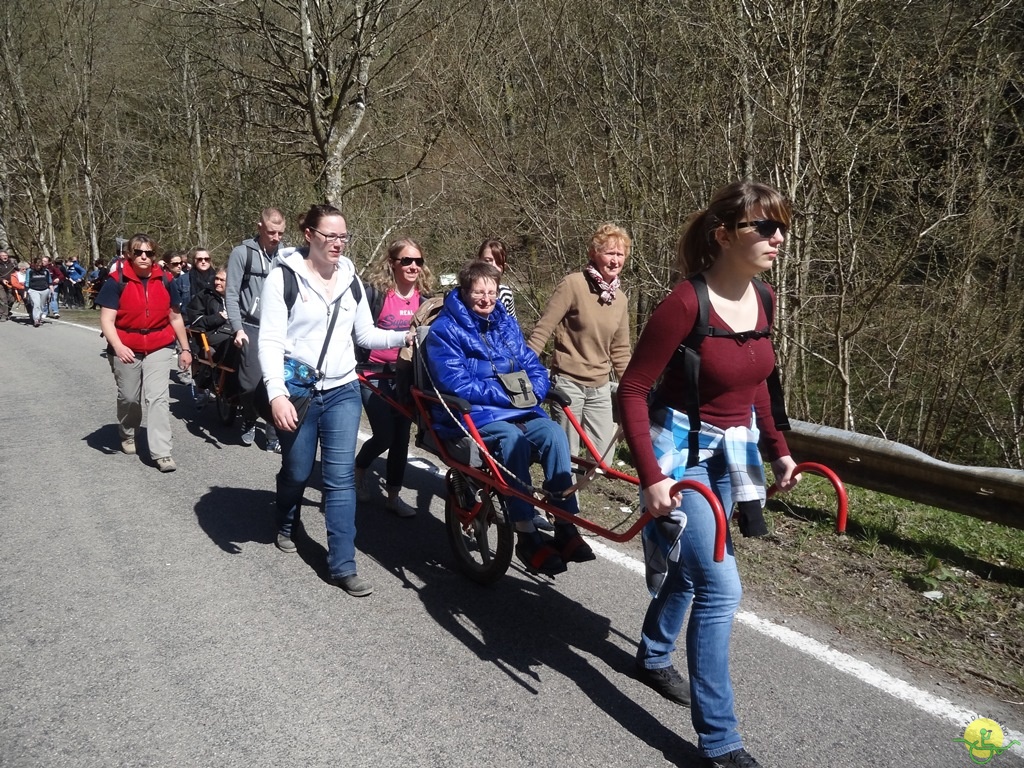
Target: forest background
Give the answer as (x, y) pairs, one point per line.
(894, 127)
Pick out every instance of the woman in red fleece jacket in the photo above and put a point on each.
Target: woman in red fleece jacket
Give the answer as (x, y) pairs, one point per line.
(726, 245)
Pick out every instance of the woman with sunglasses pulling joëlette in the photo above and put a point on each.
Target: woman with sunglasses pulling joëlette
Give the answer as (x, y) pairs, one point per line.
(399, 282)
(726, 246)
(327, 289)
(141, 327)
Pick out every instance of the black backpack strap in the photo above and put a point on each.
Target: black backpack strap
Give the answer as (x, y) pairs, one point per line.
(775, 393)
(689, 353)
(291, 287)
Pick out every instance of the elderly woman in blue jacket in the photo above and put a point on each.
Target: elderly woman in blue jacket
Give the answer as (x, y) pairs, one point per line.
(471, 345)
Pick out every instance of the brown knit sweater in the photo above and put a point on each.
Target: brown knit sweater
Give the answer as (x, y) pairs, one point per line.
(591, 339)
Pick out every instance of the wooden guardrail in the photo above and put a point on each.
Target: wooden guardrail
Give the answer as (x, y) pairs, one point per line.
(995, 495)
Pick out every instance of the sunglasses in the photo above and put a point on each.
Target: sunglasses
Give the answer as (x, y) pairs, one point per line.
(202, 258)
(139, 253)
(408, 261)
(174, 263)
(764, 227)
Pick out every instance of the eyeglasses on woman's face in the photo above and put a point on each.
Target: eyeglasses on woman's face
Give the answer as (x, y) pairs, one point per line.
(344, 237)
(764, 227)
(408, 261)
(481, 295)
(138, 253)
(202, 259)
(173, 263)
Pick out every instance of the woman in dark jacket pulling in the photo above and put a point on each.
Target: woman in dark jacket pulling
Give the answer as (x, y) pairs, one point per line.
(470, 343)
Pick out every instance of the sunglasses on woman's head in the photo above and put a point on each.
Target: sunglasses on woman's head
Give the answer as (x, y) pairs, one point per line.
(408, 261)
(764, 227)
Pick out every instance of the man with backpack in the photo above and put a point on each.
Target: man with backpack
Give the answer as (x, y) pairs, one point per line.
(248, 266)
(7, 268)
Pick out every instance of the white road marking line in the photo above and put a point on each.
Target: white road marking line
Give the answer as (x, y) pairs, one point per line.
(883, 681)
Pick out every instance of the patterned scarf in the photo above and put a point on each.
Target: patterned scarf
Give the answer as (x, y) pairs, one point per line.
(607, 291)
(670, 431)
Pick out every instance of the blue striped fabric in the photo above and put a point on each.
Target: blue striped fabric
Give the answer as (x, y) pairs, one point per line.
(670, 432)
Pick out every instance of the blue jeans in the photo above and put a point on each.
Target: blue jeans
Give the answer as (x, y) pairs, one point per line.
(390, 433)
(515, 445)
(714, 590)
(333, 420)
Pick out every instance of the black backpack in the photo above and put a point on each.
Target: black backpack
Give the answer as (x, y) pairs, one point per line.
(687, 355)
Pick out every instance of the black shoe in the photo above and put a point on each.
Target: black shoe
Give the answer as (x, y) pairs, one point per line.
(354, 584)
(571, 546)
(668, 682)
(538, 555)
(738, 758)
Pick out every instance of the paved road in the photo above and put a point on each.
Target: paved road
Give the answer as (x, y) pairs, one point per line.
(147, 620)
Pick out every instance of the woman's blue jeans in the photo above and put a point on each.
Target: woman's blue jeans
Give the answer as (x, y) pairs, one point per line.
(333, 421)
(515, 445)
(714, 591)
(390, 433)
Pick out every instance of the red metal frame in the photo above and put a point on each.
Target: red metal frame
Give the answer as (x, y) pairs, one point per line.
(837, 484)
(491, 478)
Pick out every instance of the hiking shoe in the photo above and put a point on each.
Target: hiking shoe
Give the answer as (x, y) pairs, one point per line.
(399, 507)
(541, 522)
(738, 758)
(354, 584)
(273, 446)
(248, 433)
(285, 544)
(538, 555)
(669, 683)
(128, 446)
(166, 464)
(571, 546)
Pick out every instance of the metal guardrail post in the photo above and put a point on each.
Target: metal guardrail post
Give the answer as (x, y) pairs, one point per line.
(994, 495)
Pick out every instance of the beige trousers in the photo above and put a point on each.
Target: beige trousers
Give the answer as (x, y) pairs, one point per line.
(142, 386)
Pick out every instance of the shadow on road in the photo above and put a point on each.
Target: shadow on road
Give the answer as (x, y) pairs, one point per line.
(233, 516)
(517, 625)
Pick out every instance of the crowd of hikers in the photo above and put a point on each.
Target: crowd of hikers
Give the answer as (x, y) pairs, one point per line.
(293, 324)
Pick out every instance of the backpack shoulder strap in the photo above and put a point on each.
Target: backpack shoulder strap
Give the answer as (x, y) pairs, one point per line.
(247, 271)
(357, 289)
(689, 355)
(766, 300)
(775, 392)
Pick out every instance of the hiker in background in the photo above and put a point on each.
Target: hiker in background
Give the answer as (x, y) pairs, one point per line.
(725, 247)
(248, 266)
(399, 282)
(39, 282)
(588, 313)
(8, 267)
(494, 252)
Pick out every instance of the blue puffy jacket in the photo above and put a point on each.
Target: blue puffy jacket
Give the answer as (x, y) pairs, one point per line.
(459, 361)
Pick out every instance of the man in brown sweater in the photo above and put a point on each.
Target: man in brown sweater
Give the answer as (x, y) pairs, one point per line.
(588, 315)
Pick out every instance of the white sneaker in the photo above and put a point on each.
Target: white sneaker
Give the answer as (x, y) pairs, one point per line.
(399, 507)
